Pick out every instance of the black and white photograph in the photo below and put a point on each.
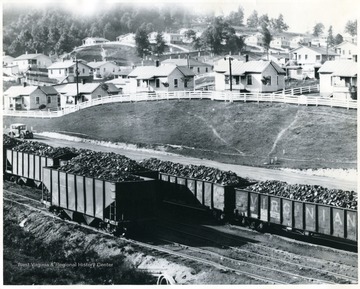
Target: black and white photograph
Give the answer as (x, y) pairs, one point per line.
(174, 142)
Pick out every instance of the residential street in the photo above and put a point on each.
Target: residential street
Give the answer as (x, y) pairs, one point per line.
(260, 174)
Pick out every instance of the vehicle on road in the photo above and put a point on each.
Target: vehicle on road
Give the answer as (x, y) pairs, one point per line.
(19, 130)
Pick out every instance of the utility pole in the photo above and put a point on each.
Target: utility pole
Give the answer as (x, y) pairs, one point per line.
(230, 70)
(77, 80)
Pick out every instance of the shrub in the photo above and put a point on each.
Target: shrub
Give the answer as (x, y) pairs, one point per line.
(42, 106)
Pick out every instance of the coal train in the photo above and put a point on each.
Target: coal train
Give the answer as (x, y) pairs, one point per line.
(119, 205)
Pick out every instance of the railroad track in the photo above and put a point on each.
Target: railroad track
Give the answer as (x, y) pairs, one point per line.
(293, 266)
(19, 199)
(224, 263)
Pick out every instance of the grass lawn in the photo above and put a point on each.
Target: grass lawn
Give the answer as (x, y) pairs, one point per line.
(241, 133)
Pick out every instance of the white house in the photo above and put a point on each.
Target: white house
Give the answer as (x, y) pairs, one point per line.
(27, 61)
(252, 76)
(280, 42)
(296, 41)
(29, 97)
(7, 60)
(85, 91)
(338, 79)
(346, 50)
(94, 40)
(320, 41)
(161, 78)
(254, 40)
(196, 66)
(172, 38)
(103, 69)
(66, 70)
(310, 58)
(11, 69)
(128, 38)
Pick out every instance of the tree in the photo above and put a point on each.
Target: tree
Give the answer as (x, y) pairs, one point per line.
(278, 24)
(266, 38)
(236, 18)
(351, 27)
(190, 34)
(338, 39)
(253, 20)
(330, 41)
(142, 42)
(159, 47)
(264, 20)
(318, 29)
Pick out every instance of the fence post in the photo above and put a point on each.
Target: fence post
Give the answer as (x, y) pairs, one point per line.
(316, 101)
(292, 91)
(300, 90)
(244, 97)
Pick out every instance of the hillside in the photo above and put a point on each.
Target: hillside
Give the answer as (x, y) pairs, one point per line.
(249, 134)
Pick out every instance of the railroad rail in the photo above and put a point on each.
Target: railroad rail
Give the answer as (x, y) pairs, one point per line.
(284, 264)
(286, 96)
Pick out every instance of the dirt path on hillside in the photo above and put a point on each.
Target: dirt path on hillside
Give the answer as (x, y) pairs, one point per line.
(256, 173)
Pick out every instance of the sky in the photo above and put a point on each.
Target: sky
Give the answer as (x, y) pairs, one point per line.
(300, 15)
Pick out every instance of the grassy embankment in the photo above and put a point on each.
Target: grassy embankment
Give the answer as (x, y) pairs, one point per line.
(248, 134)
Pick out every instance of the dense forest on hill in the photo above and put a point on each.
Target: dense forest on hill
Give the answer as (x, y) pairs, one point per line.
(57, 30)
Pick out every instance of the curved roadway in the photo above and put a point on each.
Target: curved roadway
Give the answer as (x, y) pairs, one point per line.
(255, 173)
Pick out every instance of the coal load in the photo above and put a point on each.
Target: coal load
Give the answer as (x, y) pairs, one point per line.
(104, 166)
(195, 172)
(308, 193)
(44, 150)
(9, 142)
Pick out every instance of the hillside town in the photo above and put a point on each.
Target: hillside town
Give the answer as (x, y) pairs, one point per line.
(53, 82)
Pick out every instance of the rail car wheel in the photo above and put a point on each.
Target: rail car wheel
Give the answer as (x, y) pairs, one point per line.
(13, 179)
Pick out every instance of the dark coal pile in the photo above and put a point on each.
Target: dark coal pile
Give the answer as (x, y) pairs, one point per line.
(105, 166)
(10, 141)
(44, 150)
(308, 193)
(195, 172)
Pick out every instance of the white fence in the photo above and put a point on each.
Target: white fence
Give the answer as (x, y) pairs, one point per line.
(281, 97)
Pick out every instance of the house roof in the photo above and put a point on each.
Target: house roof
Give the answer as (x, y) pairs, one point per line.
(49, 90)
(346, 68)
(71, 89)
(64, 64)
(184, 62)
(16, 91)
(96, 64)
(346, 43)
(240, 68)
(318, 50)
(28, 56)
(112, 87)
(96, 38)
(148, 72)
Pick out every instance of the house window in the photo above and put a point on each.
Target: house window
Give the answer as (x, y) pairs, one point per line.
(237, 80)
(175, 83)
(206, 69)
(104, 69)
(99, 96)
(305, 56)
(349, 52)
(157, 82)
(299, 56)
(277, 79)
(59, 71)
(249, 79)
(198, 69)
(185, 83)
(71, 70)
(59, 101)
(317, 57)
(344, 52)
(49, 99)
(37, 100)
(51, 71)
(113, 69)
(83, 70)
(138, 82)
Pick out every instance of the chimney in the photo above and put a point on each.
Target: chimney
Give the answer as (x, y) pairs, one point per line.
(24, 84)
(246, 57)
(157, 63)
(83, 81)
(309, 43)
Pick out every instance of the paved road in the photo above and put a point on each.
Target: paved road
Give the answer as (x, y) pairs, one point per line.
(260, 174)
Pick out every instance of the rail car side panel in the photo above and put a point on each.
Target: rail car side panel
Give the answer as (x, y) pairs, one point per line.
(63, 190)
(191, 185)
(99, 199)
(287, 213)
(31, 166)
(338, 222)
(55, 201)
(37, 168)
(298, 215)
(254, 205)
(71, 184)
(241, 203)
(275, 208)
(264, 208)
(15, 163)
(310, 217)
(351, 225)
(20, 164)
(80, 185)
(200, 192)
(324, 220)
(89, 193)
(208, 194)
(26, 165)
(219, 197)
